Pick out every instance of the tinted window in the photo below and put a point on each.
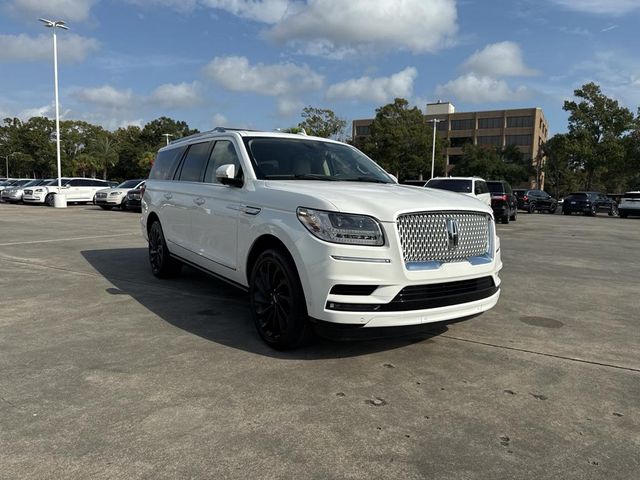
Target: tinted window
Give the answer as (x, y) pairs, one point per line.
(490, 140)
(496, 187)
(518, 122)
(78, 183)
(223, 153)
(462, 124)
(632, 195)
(165, 164)
(453, 185)
(194, 162)
(518, 139)
(99, 183)
(481, 187)
(128, 184)
(578, 196)
(490, 122)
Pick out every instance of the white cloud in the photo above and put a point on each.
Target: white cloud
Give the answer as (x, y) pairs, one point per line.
(335, 28)
(67, 10)
(265, 11)
(105, 96)
(497, 60)
(381, 89)
(600, 7)
(181, 95)
(219, 120)
(182, 6)
(71, 47)
(481, 89)
(43, 111)
(282, 79)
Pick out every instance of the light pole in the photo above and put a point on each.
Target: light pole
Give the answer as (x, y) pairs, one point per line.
(60, 200)
(433, 148)
(6, 159)
(167, 135)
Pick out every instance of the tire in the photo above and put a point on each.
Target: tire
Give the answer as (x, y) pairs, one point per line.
(49, 199)
(106, 207)
(593, 212)
(514, 217)
(532, 208)
(124, 205)
(553, 209)
(162, 264)
(278, 306)
(613, 211)
(505, 219)
(623, 214)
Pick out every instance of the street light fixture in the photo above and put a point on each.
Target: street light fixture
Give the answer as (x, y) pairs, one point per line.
(6, 159)
(167, 135)
(433, 148)
(60, 200)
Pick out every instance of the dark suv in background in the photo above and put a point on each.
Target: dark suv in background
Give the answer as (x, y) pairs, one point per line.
(503, 201)
(532, 200)
(589, 203)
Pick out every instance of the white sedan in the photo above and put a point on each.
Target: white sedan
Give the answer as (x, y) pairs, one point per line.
(116, 197)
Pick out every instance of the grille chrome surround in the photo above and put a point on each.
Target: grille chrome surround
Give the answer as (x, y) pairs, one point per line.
(101, 195)
(425, 241)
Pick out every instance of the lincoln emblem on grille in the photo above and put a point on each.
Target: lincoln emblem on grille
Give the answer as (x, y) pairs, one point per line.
(452, 232)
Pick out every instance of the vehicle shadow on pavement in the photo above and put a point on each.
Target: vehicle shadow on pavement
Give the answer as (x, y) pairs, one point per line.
(216, 311)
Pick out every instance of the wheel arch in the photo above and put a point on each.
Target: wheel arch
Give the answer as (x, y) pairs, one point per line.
(153, 216)
(262, 243)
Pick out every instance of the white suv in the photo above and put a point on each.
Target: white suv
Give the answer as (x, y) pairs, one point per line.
(471, 186)
(77, 190)
(317, 233)
(116, 196)
(629, 204)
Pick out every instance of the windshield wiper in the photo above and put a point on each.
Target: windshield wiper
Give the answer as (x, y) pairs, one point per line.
(363, 179)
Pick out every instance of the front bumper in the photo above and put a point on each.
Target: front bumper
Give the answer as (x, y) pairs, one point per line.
(34, 198)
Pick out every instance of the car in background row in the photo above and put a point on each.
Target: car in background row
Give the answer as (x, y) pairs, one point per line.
(134, 198)
(629, 204)
(589, 203)
(10, 182)
(471, 186)
(533, 200)
(14, 193)
(503, 202)
(116, 197)
(76, 189)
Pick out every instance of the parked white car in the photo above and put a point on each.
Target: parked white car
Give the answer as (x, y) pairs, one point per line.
(76, 189)
(318, 234)
(14, 193)
(629, 204)
(471, 186)
(116, 197)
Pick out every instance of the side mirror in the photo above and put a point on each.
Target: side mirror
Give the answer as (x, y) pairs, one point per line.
(66, 186)
(225, 174)
(395, 179)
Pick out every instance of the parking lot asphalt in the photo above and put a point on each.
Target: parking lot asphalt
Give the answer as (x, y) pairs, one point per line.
(109, 373)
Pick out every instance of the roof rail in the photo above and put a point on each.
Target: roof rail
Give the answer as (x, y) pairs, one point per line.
(209, 132)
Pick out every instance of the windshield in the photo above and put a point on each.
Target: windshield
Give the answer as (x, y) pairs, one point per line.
(33, 183)
(453, 185)
(303, 159)
(129, 184)
(20, 183)
(495, 187)
(54, 181)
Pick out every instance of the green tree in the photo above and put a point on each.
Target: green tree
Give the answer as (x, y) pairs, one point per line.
(322, 123)
(152, 134)
(401, 141)
(597, 125)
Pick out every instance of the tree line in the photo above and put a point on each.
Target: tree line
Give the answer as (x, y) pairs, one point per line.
(600, 151)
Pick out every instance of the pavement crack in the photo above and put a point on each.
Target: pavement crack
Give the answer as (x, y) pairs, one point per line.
(544, 354)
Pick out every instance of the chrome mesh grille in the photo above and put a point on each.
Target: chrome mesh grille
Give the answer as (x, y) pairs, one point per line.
(424, 236)
(28, 192)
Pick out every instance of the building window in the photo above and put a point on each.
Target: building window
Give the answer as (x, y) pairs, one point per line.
(495, 140)
(443, 125)
(496, 122)
(518, 139)
(460, 141)
(462, 124)
(519, 122)
(363, 130)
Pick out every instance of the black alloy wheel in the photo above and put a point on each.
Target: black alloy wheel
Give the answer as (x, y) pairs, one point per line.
(124, 205)
(552, 210)
(277, 301)
(162, 265)
(505, 219)
(594, 211)
(532, 207)
(49, 199)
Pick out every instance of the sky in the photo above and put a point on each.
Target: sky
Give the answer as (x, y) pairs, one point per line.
(258, 63)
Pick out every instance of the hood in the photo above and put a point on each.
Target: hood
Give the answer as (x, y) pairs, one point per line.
(382, 201)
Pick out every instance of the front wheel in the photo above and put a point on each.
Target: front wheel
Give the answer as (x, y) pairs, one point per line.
(49, 199)
(613, 211)
(124, 205)
(278, 305)
(532, 207)
(514, 217)
(162, 265)
(552, 210)
(593, 212)
(505, 219)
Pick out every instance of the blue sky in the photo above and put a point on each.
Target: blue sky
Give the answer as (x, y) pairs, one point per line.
(252, 63)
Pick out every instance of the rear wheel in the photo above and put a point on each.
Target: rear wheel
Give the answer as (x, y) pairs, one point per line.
(278, 305)
(613, 211)
(532, 207)
(593, 212)
(505, 219)
(162, 265)
(514, 215)
(553, 208)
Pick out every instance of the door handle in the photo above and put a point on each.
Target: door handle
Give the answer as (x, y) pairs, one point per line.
(198, 201)
(168, 196)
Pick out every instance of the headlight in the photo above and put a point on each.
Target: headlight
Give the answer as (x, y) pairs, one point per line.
(341, 227)
(39, 190)
(115, 193)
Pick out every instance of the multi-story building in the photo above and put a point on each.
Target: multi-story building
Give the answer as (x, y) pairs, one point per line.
(524, 127)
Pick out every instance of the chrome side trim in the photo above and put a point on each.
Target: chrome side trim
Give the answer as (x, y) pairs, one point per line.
(360, 259)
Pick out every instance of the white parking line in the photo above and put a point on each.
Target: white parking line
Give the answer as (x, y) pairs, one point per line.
(68, 239)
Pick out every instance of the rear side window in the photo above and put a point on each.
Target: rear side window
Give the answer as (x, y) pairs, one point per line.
(165, 164)
(496, 187)
(460, 186)
(481, 187)
(194, 162)
(634, 195)
(223, 153)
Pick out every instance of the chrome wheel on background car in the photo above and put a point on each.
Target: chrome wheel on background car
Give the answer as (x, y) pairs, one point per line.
(162, 265)
(278, 306)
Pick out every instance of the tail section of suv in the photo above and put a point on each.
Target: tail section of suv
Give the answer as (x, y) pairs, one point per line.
(317, 233)
(629, 204)
(589, 203)
(503, 202)
(535, 200)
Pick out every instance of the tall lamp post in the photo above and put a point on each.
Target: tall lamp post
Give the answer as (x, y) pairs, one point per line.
(167, 135)
(6, 159)
(433, 148)
(60, 201)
